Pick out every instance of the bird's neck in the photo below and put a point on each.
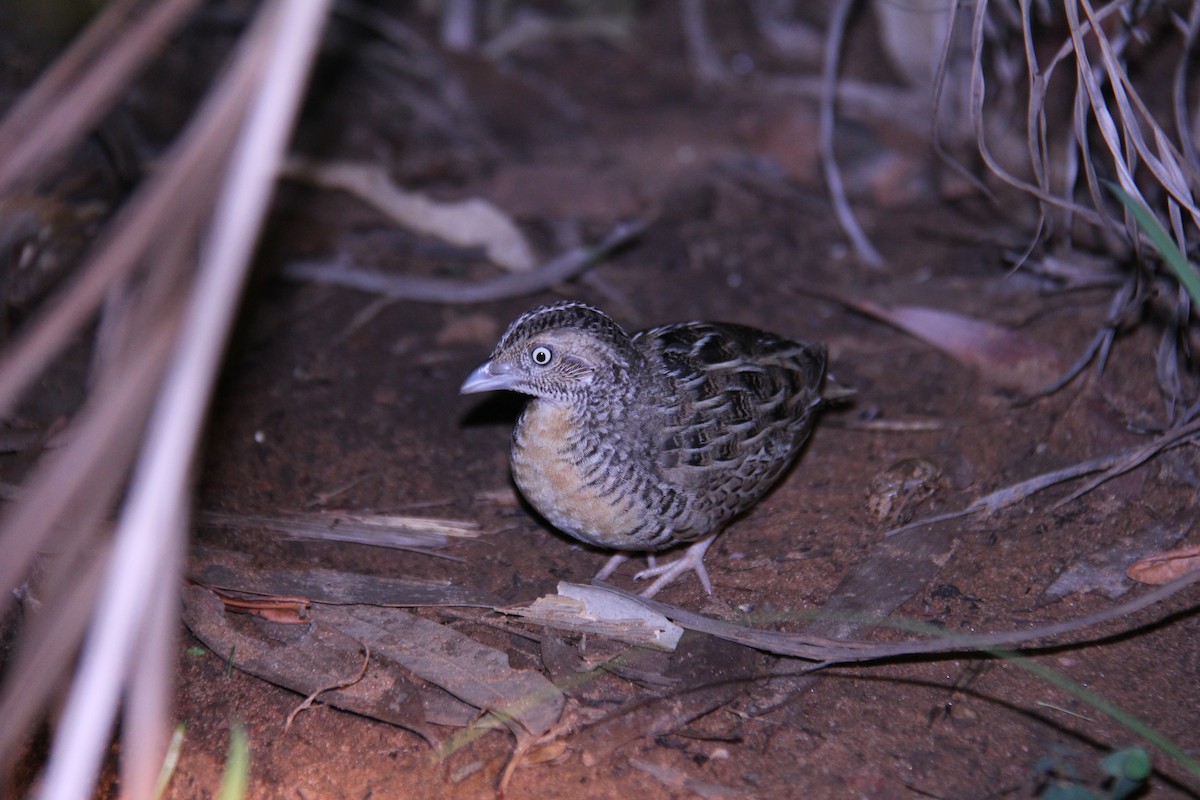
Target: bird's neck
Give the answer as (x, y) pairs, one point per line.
(601, 412)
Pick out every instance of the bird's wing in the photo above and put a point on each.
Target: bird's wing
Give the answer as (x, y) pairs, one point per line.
(740, 405)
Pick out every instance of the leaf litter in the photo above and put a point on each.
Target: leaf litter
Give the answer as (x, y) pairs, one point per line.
(710, 667)
(1105, 571)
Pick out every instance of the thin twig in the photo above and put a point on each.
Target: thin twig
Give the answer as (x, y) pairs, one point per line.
(565, 267)
(1111, 465)
(707, 67)
(913, 425)
(834, 40)
(1134, 458)
(827, 651)
(1123, 298)
(308, 701)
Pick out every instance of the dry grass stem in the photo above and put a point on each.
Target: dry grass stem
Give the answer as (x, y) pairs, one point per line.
(153, 211)
(826, 652)
(154, 371)
(835, 38)
(83, 84)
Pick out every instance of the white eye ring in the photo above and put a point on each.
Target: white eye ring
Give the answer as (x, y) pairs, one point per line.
(541, 355)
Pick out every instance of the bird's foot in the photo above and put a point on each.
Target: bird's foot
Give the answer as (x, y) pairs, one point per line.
(692, 560)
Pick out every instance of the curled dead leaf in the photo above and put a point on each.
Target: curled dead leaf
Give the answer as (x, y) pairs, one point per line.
(284, 610)
(545, 753)
(1162, 568)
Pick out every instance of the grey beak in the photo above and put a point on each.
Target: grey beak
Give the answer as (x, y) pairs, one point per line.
(488, 377)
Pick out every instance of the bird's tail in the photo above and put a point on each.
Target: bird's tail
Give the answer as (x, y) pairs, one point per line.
(836, 394)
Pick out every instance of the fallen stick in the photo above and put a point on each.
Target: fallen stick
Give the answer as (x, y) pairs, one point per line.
(569, 265)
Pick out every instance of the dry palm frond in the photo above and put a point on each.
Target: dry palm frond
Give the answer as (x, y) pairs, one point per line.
(83, 83)
(135, 439)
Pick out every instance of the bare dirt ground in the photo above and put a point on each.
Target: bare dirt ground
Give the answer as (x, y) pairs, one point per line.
(320, 411)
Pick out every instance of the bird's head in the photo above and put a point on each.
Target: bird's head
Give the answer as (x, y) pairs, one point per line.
(560, 352)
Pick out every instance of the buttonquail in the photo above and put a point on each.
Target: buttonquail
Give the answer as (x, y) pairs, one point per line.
(638, 443)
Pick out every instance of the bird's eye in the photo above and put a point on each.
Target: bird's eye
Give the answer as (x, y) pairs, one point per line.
(541, 355)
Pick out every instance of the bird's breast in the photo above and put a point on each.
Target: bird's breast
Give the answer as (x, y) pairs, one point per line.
(580, 483)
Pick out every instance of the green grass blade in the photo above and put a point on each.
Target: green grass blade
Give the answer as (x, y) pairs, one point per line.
(1176, 260)
(236, 778)
(1114, 712)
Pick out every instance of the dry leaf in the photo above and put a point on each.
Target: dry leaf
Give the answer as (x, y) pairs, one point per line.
(467, 223)
(376, 530)
(283, 610)
(1165, 567)
(470, 671)
(236, 572)
(307, 660)
(1104, 570)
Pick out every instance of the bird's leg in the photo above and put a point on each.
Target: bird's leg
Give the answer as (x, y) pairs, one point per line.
(611, 565)
(691, 560)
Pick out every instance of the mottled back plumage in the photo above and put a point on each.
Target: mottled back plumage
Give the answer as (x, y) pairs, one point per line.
(738, 406)
(641, 442)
